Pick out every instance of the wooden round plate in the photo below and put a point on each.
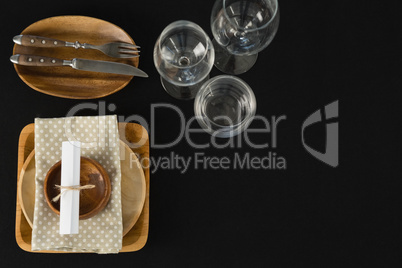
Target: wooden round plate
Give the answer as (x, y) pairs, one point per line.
(67, 82)
(133, 187)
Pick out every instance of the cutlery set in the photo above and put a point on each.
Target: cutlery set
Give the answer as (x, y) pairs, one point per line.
(115, 49)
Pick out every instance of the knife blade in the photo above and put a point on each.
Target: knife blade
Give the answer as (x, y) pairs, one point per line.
(79, 64)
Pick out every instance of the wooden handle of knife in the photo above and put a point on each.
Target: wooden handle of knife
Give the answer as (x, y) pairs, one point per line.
(30, 60)
(38, 41)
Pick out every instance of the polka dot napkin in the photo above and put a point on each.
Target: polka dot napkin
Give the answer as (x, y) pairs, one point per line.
(99, 139)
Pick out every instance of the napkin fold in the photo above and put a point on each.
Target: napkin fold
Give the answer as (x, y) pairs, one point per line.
(99, 139)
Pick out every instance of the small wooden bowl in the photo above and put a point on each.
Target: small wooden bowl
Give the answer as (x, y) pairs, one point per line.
(91, 200)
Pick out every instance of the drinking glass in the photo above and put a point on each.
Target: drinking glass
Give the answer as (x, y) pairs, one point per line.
(241, 29)
(225, 106)
(184, 56)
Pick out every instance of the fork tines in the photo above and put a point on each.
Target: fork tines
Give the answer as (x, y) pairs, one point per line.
(128, 50)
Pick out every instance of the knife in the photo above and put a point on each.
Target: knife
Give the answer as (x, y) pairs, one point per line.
(79, 64)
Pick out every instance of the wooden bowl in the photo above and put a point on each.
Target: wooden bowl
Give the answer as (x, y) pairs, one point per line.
(91, 200)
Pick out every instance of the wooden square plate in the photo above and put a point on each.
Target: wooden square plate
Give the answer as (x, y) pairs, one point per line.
(136, 137)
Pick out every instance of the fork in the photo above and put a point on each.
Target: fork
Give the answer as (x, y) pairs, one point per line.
(115, 49)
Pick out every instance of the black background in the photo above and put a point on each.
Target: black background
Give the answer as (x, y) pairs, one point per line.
(309, 215)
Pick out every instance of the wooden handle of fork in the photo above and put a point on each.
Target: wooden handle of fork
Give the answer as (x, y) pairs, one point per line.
(38, 41)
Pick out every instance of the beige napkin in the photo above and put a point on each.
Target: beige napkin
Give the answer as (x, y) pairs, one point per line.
(99, 141)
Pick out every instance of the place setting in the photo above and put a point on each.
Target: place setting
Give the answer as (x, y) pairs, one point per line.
(118, 192)
(83, 181)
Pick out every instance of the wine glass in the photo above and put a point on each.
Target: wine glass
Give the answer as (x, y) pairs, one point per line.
(184, 56)
(241, 29)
